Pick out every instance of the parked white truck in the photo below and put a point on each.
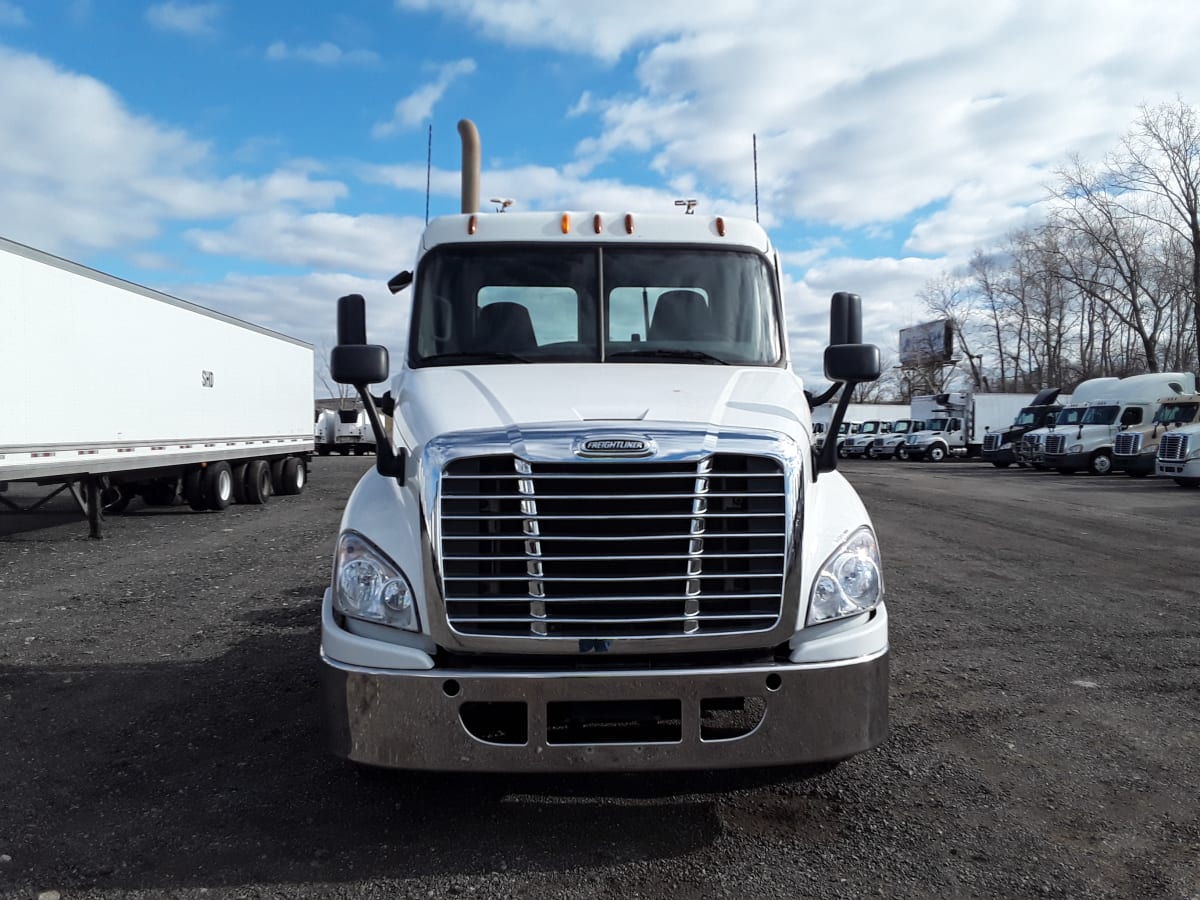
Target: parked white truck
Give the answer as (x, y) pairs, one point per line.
(325, 431)
(1130, 401)
(1179, 455)
(887, 446)
(1030, 453)
(149, 396)
(856, 445)
(1135, 450)
(597, 536)
(957, 421)
(353, 432)
(1001, 446)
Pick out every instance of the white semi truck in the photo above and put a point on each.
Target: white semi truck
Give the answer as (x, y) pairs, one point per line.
(325, 431)
(1124, 404)
(149, 396)
(352, 432)
(597, 535)
(887, 446)
(956, 422)
(1135, 449)
(1179, 455)
(856, 445)
(1031, 450)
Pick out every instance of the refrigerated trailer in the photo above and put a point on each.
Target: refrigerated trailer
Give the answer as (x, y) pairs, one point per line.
(116, 392)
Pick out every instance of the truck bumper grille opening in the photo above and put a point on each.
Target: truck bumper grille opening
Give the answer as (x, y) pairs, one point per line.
(728, 718)
(604, 550)
(496, 722)
(614, 722)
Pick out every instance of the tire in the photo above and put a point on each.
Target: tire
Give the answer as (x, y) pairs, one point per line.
(114, 499)
(841, 451)
(322, 451)
(1188, 482)
(1067, 470)
(870, 454)
(295, 475)
(277, 475)
(1001, 465)
(217, 486)
(239, 482)
(902, 453)
(342, 451)
(1100, 463)
(192, 493)
(258, 482)
(936, 453)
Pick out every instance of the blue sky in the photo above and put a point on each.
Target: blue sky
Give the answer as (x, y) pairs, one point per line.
(264, 157)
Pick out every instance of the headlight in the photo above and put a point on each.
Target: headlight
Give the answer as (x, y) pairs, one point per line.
(367, 585)
(1194, 454)
(1007, 445)
(1075, 448)
(849, 582)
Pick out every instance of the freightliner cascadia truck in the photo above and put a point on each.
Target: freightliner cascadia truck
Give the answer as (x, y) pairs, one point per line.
(597, 535)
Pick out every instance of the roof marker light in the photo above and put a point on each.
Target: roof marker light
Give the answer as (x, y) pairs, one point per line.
(472, 225)
(597, 223)
(629, 223)
(566, 223)
(720, 226)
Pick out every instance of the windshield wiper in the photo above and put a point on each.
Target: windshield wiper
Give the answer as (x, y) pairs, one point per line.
(446, 359)
(696, 355)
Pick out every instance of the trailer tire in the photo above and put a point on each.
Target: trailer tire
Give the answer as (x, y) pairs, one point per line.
(192, 493)
(322, 451)
(218, 486)
(295, 475)
(163, 492)
(258, 481)
(239, 482)
(936, 453)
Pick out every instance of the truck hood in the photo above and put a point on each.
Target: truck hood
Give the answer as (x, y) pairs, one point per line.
(510, 398)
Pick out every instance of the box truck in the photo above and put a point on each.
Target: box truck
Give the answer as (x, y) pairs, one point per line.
(115, 392)
(597, 535)
(957, 421)
(1127, 402)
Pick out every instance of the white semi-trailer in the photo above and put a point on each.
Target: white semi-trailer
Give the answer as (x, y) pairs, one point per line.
(597, 535)
(118, 391)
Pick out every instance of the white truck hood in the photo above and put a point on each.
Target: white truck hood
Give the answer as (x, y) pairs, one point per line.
(438, 401)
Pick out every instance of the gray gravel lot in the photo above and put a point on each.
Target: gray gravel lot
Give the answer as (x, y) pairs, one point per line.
(158, 721)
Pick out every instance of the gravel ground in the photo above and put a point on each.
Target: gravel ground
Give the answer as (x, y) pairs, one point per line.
(158, 721)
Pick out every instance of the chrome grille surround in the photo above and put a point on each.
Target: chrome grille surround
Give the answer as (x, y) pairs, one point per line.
(1054, 444)
(1127, 443)
(538, 550)
(1173, 447)
(991, 442)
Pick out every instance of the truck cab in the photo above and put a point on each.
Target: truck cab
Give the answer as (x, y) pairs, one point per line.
(856, 445)
(1000, 447)
(1132, 402)
(597, 535)
(886, 446)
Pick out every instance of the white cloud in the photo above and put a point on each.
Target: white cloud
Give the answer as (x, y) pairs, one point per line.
(196, 19)
(12, 15)
(325, 53)
(78, 170)
(414, 109)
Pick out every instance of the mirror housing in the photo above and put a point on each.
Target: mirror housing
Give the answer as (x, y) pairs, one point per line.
(359, 364)
(848, 361)
(852, 362)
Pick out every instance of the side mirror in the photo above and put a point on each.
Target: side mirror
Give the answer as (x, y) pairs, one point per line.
(852, 362)
(357, 364)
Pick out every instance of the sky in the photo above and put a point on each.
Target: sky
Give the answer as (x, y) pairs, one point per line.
(263, 158)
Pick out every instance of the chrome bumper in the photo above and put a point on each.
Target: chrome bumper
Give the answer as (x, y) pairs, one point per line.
(415, 719)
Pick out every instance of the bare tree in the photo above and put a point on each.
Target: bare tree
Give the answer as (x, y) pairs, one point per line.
(343, 393)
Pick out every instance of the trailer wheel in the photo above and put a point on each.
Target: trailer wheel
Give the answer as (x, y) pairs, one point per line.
(277, 475)
(161, 493)
(295, 475)
(218, 485)
(239, 482)
(322, 451)
(936, 453)
(192, 484)
(258, 481)
(1100, 463)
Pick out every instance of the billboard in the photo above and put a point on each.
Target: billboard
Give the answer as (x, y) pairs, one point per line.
(931, 343)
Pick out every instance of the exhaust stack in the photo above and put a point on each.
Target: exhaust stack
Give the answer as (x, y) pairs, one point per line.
(470, 165)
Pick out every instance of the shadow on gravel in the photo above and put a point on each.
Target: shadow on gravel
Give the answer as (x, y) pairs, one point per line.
(173, 775)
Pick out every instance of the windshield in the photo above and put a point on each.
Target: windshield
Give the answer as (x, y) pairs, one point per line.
(1100, 415)
(1070, 416)
(868, 428)
(523, 303)
(901, 427)
(1176, 413)
(935, 424)
(1031, 415)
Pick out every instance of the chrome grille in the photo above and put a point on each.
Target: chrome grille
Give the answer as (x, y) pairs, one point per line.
(991, 442)
(1173, 447)
(599, 549)
(1127, 443)
(1055, 443)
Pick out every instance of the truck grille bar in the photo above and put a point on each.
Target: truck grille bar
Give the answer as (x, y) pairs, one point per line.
(991, 442)
(602, 550)
(1173, 447)
(1055, 444)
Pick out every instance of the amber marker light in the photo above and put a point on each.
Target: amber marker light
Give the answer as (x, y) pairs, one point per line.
(629, 223)
(472, 225)
(566, 223)
(597, 223)
(720, 226)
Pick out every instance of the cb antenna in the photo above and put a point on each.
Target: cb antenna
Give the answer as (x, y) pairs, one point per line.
(690, 206)
(428, 169)
(755, 137)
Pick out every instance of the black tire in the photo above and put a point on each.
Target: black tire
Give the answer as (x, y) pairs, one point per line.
(902, 453)
(239, 482)
(295, 475)
(1188, 482)
(935, 453)
(277, 476)
(322, 451)
(1001, 465)
(192, 488)
(1100, 463)
(217, 486)
(841, 451)
(258, 481)
(343, 451)
(114, 499)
